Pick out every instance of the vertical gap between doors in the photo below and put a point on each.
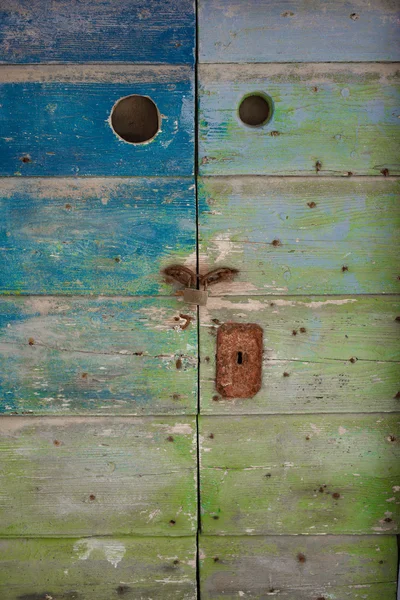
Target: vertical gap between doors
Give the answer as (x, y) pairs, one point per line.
(196, 59)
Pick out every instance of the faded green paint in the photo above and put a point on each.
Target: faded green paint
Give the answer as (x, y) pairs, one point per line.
(317, 474)
(98, 568)
(329, 354)
(82, 476)
(97, 356)
(296, 235)
(298, 568)
(329, 120)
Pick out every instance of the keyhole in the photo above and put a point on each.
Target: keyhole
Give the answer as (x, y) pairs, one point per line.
(240, 358)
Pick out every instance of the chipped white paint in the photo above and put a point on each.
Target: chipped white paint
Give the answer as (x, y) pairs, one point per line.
(113, 550)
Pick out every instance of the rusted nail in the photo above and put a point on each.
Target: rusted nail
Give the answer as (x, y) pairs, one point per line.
(286, 374)
(274, 133)
(178, 363)
(276, 243)
(303, 330)
(336, 495)
(318, 166)
(311, 204)
(301, 557)
(345, 268)
(92, 497)
(26, 159)
(385, 172)
(170, 438)
(31, 341)
(352, 359)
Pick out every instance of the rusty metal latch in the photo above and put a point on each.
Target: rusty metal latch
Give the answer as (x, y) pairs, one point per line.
(239, 360)
(196, 291)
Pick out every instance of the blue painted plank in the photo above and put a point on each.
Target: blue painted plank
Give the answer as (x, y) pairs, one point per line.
(94, 236)
(56, 118)
(298, 31)
(98, 356)
(140, 31)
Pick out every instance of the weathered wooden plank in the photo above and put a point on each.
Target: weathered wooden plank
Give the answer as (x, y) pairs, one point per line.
(322, 474)
(89, 476)
(328, 119)
(98, 568)
(97, 356)
(141, 31)
(85, 236)
(300, 235)
(330, 354)
(66, 130)
(298, 568)
(264, 31)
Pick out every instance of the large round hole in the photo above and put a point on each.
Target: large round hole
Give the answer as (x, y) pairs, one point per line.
(135, 119)
(255, 110)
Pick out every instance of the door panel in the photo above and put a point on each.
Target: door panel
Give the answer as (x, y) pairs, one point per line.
(99, 568)
(75, 355)
(55, 120)
(297, 474)
(298, 568)
(297, 31)
(140, 31)
(325, 119)
(91, 476)
(321, 354)
(94, 236)
(299, 235)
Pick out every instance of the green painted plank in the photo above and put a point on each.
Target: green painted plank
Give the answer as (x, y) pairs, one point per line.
(321, 474)
(298, 568)
(329, 119)
(90, 476)
(330, 354)
(294, 235)
(76, 355)
(98, 569)
(67, 129)
(88, 236)
(264, 31)
(141, 31)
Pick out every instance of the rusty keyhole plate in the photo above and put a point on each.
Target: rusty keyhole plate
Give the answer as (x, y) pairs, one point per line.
(239, 360)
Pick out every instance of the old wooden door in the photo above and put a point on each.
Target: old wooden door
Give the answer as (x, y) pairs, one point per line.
(127, 470)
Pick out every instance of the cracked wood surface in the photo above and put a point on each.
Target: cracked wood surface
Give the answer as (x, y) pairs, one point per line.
(328, 119)
(74, 355)
(91, 476)
(66, 131)
(99, 568)
(321, 354)
(291, 474)
(298, 568)
(87, 236)
(301, 235)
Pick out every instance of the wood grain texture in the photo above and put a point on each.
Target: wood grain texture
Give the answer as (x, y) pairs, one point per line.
(301, 235)
(98, 568)
(322, 474)
(66, 130)
(85, 236)
(330, 354)
(264, 31)
(90, 476)
(97, 356)
(140, 31)
(298, 568)
(329, 119)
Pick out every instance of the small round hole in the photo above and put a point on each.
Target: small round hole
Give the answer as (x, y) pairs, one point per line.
(135, 119)
(255, 110)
